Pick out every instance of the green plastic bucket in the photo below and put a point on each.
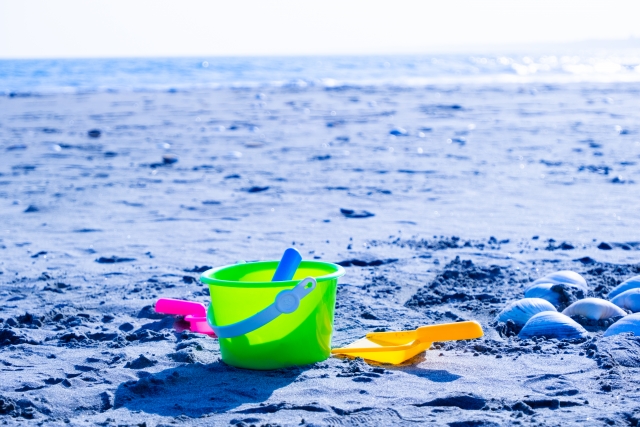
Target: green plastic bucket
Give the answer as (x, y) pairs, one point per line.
(242, 292)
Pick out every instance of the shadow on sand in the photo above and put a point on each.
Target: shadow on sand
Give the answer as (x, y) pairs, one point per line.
(434, 375)
(197, 389)
(412, 367)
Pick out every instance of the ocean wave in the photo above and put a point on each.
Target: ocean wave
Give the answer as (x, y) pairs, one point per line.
(34, 77)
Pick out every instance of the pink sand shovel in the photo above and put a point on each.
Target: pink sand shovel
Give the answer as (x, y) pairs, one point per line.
(193, 312)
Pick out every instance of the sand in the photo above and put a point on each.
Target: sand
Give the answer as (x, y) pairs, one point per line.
(441, 202)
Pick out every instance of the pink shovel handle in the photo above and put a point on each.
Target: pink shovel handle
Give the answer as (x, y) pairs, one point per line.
(179, 307)
(193, 312)
(199, 325)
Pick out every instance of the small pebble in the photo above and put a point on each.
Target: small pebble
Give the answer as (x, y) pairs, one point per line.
(126, 327)
(398, 132)
(169, 159)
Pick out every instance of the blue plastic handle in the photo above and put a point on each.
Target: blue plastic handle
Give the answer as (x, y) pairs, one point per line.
(286, 302)
(288, 265)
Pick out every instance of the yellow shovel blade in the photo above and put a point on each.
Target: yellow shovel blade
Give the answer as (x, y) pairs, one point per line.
(396, 347)
(381, 352)
(444, 332)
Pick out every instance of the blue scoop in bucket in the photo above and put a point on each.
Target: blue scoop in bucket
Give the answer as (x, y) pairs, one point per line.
(286, 302)
(288, 265)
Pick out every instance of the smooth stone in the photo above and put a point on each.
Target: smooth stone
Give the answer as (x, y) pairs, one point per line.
(632, 283)
(565, 277)
(561, 295)
(552, 324)
(630, 323)
(543, 291)
(594, 309)
(629, 300)
(398, 132)
(169, 159)
(522, 310)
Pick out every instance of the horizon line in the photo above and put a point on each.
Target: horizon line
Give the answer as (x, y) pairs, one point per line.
(630, 42)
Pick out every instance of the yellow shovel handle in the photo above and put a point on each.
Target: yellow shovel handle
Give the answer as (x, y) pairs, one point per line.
(444, 332)
(450, 331)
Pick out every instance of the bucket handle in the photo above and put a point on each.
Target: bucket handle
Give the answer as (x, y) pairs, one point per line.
(286, 302)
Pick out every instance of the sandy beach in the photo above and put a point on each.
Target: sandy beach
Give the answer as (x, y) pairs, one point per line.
(474, 190)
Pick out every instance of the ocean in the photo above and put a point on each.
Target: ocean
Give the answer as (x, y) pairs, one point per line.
(39, 76)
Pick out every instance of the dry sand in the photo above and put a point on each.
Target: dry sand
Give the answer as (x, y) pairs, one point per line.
(491, 188)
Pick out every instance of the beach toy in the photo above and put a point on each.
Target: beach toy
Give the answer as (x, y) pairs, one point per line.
(288, 265)
(286, 301)
(196, 313)
(265, 324)
(193, 312)
(396, 347)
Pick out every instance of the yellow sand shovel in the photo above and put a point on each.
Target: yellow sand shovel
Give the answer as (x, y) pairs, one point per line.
(396, 347)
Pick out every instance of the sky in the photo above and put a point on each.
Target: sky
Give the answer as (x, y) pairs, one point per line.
(161, 28)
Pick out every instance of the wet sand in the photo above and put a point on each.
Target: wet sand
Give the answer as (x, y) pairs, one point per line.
(475, 191)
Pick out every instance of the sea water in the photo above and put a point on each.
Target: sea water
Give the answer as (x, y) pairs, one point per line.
(21, 77)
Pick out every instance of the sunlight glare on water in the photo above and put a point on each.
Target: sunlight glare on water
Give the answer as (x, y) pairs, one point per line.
(88, 75)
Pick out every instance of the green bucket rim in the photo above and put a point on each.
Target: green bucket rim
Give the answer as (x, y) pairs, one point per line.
(207, 279)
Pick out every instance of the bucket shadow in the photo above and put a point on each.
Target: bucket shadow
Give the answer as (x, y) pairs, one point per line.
(195, 390)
